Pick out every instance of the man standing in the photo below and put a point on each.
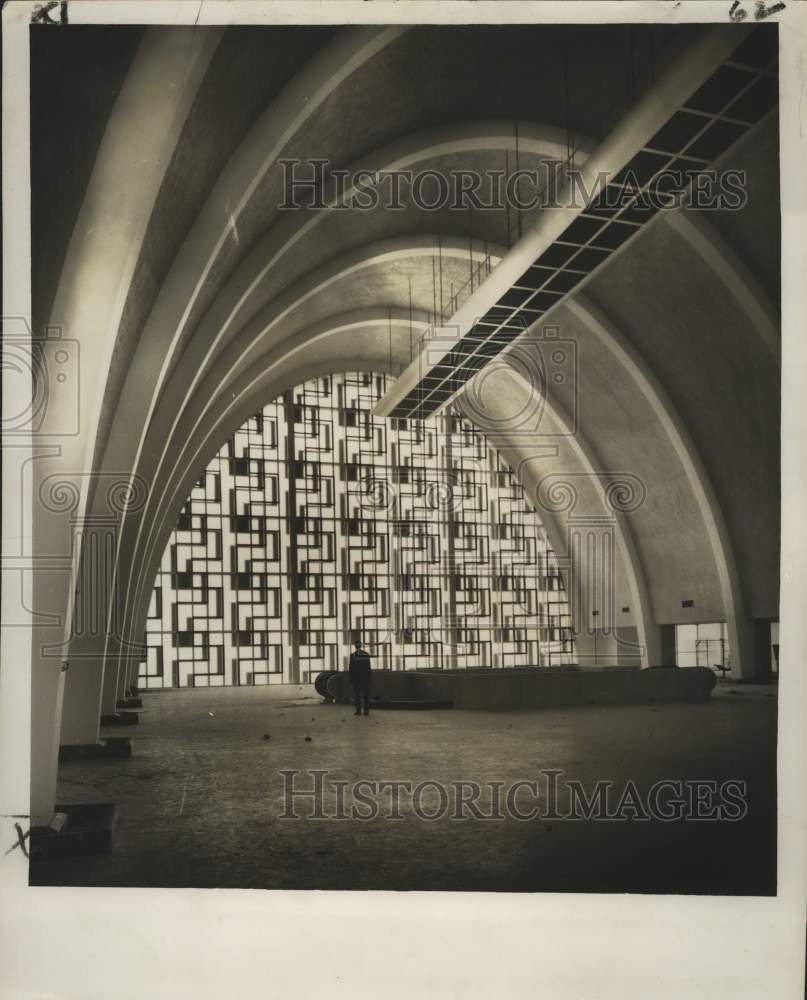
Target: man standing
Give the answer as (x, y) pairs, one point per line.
(359, 673)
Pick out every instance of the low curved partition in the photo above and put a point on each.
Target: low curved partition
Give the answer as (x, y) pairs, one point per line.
(338, 688)
(504, 690)
(321, 684)
(528, 669)
(385, 685)
(507, 688)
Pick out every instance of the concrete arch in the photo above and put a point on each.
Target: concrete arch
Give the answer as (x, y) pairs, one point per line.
(274, 311)
(367, 349)
(98, 268)
(575, 455)
(644, 380)
(217, 221)
(237, 301)
(112, 221)
(265, 380)
(736, 641)
(400, 154)
(732, 598)
(719, 374)
(539, 140)
(234, 299)
(180, 426)
(252, 386)
(213, 228)
(732, 273)
(124, 449)
(329, 357)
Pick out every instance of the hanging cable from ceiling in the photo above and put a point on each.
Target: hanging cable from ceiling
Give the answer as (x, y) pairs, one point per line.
(471, 246)
(506, 198)
(518, 181)
(434, 294)
(570, 163)
(389, 335)
(440, 261)
(631, 65)
(411, 330)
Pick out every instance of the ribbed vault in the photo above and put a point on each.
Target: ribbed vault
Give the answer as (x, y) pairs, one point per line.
(192, 315)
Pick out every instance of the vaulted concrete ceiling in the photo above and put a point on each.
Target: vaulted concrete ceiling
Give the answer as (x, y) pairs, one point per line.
(221, 300)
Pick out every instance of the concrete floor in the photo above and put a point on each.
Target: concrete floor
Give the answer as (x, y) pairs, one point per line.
(199, 803)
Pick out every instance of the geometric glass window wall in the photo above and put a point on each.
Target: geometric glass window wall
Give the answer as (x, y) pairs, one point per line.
(317, 523)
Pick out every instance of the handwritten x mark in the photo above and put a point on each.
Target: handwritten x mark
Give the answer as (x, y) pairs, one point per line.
(21, 838)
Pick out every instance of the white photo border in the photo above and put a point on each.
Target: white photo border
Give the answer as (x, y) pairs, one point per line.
(87, 943)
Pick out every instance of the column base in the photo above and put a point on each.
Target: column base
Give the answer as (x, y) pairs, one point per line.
(110, 746)
(120, 719)
(77, 830)
(130, 702)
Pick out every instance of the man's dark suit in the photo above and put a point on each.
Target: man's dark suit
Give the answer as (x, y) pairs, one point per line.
(359, 673)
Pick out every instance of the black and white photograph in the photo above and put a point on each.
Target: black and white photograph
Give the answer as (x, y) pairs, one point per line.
(403, 490)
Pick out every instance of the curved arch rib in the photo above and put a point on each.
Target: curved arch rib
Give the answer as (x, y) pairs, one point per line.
(318, 350)
(704, 240)
(95, 279)
(649, 386)
(584, 455)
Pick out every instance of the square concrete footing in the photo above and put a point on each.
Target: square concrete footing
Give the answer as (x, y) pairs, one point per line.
(120, 719)
(110, 746)
(77, 830)
(130, 703)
